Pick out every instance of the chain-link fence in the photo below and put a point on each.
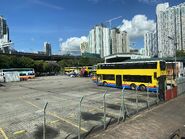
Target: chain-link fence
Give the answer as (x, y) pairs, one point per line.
(100, 110)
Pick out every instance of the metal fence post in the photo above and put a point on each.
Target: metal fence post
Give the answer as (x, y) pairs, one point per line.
(157, 95)
(44, 125)
(122, 108)
(148, 105)
(136, 98)
(79, 120)
(171, 88)
(104, 110)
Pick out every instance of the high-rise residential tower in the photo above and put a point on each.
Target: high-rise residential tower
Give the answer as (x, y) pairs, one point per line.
(150, 44)
(119, 41)
(99, 41)
(47, 48)
(170, 29)
(104, 41)
(4, 36)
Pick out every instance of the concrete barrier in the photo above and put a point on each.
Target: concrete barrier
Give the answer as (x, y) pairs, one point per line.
(171, 93)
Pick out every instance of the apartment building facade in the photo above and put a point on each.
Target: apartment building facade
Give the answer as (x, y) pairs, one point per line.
(105, 42)
(170, 29)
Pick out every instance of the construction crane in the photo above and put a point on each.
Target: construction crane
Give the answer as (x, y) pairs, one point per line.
(110, 20)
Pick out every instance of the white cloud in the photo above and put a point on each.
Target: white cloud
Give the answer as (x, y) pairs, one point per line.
(48, 5)
(138, 26)
(72, 45)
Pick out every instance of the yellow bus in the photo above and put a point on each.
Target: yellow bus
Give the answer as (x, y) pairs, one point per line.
(68, 70)
(143, 74)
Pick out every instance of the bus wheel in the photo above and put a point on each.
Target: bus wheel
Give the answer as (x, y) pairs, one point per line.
(133, 86)
(142, 87)
(105, 83)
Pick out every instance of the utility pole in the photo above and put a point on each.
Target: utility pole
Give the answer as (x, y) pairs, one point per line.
(175, 45)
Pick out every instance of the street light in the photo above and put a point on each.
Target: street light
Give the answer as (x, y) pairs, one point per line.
(175, 44)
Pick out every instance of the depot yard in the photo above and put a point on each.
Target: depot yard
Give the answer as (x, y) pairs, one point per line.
(22, 103)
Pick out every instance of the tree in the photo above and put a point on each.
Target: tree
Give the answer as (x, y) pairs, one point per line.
(53, 67)
(82, 61)
(25, 62)
(180, 53)
(68, 63)
(4, 61)
(39, 67)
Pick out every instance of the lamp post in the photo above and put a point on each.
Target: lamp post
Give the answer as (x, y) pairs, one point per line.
(175, 44)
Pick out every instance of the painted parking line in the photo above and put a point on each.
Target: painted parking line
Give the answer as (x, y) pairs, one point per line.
(53, 122)
(67, 121)
(28, 102)
(92, 110)
(3, 133)
(54, 115)
(20, 132)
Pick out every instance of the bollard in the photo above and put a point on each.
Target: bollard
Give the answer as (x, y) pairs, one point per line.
(148, 104)
(122, 108)
(44, 125)
(136, 98)
(79, 120)
(104, 110)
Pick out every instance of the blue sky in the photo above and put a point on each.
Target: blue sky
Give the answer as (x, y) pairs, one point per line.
(32, 22)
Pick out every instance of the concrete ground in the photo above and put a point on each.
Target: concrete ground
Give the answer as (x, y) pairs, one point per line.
(22, 103)
(166, 121)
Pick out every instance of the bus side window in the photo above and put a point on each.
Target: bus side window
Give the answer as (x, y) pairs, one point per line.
(155, 75)
(22, 74)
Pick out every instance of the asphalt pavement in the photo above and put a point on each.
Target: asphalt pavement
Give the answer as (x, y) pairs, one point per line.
(22, 104)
